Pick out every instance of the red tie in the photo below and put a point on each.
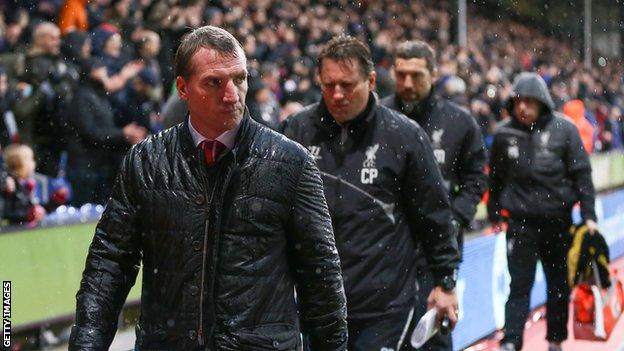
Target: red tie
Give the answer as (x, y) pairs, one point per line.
(212, 149)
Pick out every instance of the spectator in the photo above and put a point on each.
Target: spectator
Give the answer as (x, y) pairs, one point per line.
(8, 98)
(73, 16)
(76, 51)
(97, 147)
(262, 104)
(141, 106)
(21, 206)
(614, 133)
(42, 115)
(575, 111)
(15, 21)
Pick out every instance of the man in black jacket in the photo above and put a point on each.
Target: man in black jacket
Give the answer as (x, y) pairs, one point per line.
(457, 146)
(384, 193)
(98, 144)
(42, 117)
(539, 170)
(227, 218)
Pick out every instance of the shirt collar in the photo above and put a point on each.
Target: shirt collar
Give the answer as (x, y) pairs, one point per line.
(227, 138)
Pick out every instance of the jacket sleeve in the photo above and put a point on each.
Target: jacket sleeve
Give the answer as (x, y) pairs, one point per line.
(428, 209)
(316, 265)
(497, 180)
(472, 178)
(111, 269)
(579, 170)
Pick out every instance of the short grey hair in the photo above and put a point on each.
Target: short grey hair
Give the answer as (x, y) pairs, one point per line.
(209, 37)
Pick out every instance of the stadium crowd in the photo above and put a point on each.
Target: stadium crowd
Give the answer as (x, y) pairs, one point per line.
(81, 81)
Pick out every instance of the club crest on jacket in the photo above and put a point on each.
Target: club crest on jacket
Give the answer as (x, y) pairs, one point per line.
(369, 170)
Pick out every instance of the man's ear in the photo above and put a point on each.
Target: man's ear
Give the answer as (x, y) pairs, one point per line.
(181, 86)
(372, 78)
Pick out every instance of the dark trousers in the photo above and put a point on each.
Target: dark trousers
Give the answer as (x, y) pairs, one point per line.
(438, 342)
(382, 334)
(527, 241)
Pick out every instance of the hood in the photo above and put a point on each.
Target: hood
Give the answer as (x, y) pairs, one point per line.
(530, 84)
(71, 47)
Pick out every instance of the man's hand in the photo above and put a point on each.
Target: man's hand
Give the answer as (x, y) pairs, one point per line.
(445, 303)
(134, 133)
(592, 226)
(497, 227)
(131, 69)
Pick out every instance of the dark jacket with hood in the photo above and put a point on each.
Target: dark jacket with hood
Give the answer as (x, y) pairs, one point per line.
(385, 194)
(222, 248)
(458, 148)
(97, 142)
(540, 170)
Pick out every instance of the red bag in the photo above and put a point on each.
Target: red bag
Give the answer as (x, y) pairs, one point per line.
(596, 311)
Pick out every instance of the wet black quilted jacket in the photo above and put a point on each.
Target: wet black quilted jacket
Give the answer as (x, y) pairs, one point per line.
(388, 204)
(222, 249)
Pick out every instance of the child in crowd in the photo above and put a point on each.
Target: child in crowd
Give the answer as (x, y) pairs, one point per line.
(21, 207)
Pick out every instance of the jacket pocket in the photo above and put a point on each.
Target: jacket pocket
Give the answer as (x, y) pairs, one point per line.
(264, 337)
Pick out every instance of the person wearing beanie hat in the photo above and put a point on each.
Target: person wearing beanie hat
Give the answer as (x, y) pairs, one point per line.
(538, 170)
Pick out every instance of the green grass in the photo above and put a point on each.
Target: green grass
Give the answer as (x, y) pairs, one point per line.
(45, 267)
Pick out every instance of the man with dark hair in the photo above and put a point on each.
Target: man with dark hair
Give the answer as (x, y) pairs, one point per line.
(385, 195)
(227, 219)
(457, 145)
(539, 170)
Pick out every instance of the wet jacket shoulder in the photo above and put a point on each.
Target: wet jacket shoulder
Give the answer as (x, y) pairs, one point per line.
(382, 186)
(458, 149)
(222, 248)
(542, 171)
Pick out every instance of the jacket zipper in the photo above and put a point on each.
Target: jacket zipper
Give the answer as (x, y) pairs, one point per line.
(216, 247)
(344, 134)
(200, 331)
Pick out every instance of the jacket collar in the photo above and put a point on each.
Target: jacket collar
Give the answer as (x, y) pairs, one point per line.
(328, 124)
(243, 142)
(421, 111)
(541, 123)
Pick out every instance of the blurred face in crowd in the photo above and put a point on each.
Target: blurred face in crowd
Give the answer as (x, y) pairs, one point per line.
(150, 46)
(413, 79)
(48, 38)
(526, 109)
(345, 89)
(112, 47)
(215, 91)
(4, 85)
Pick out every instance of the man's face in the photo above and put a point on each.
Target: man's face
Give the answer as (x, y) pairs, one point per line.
(215, 90)
(526, 110)
(151, 49)
(113, 45)
(413, 79)
(51, 41)
(345, 89)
